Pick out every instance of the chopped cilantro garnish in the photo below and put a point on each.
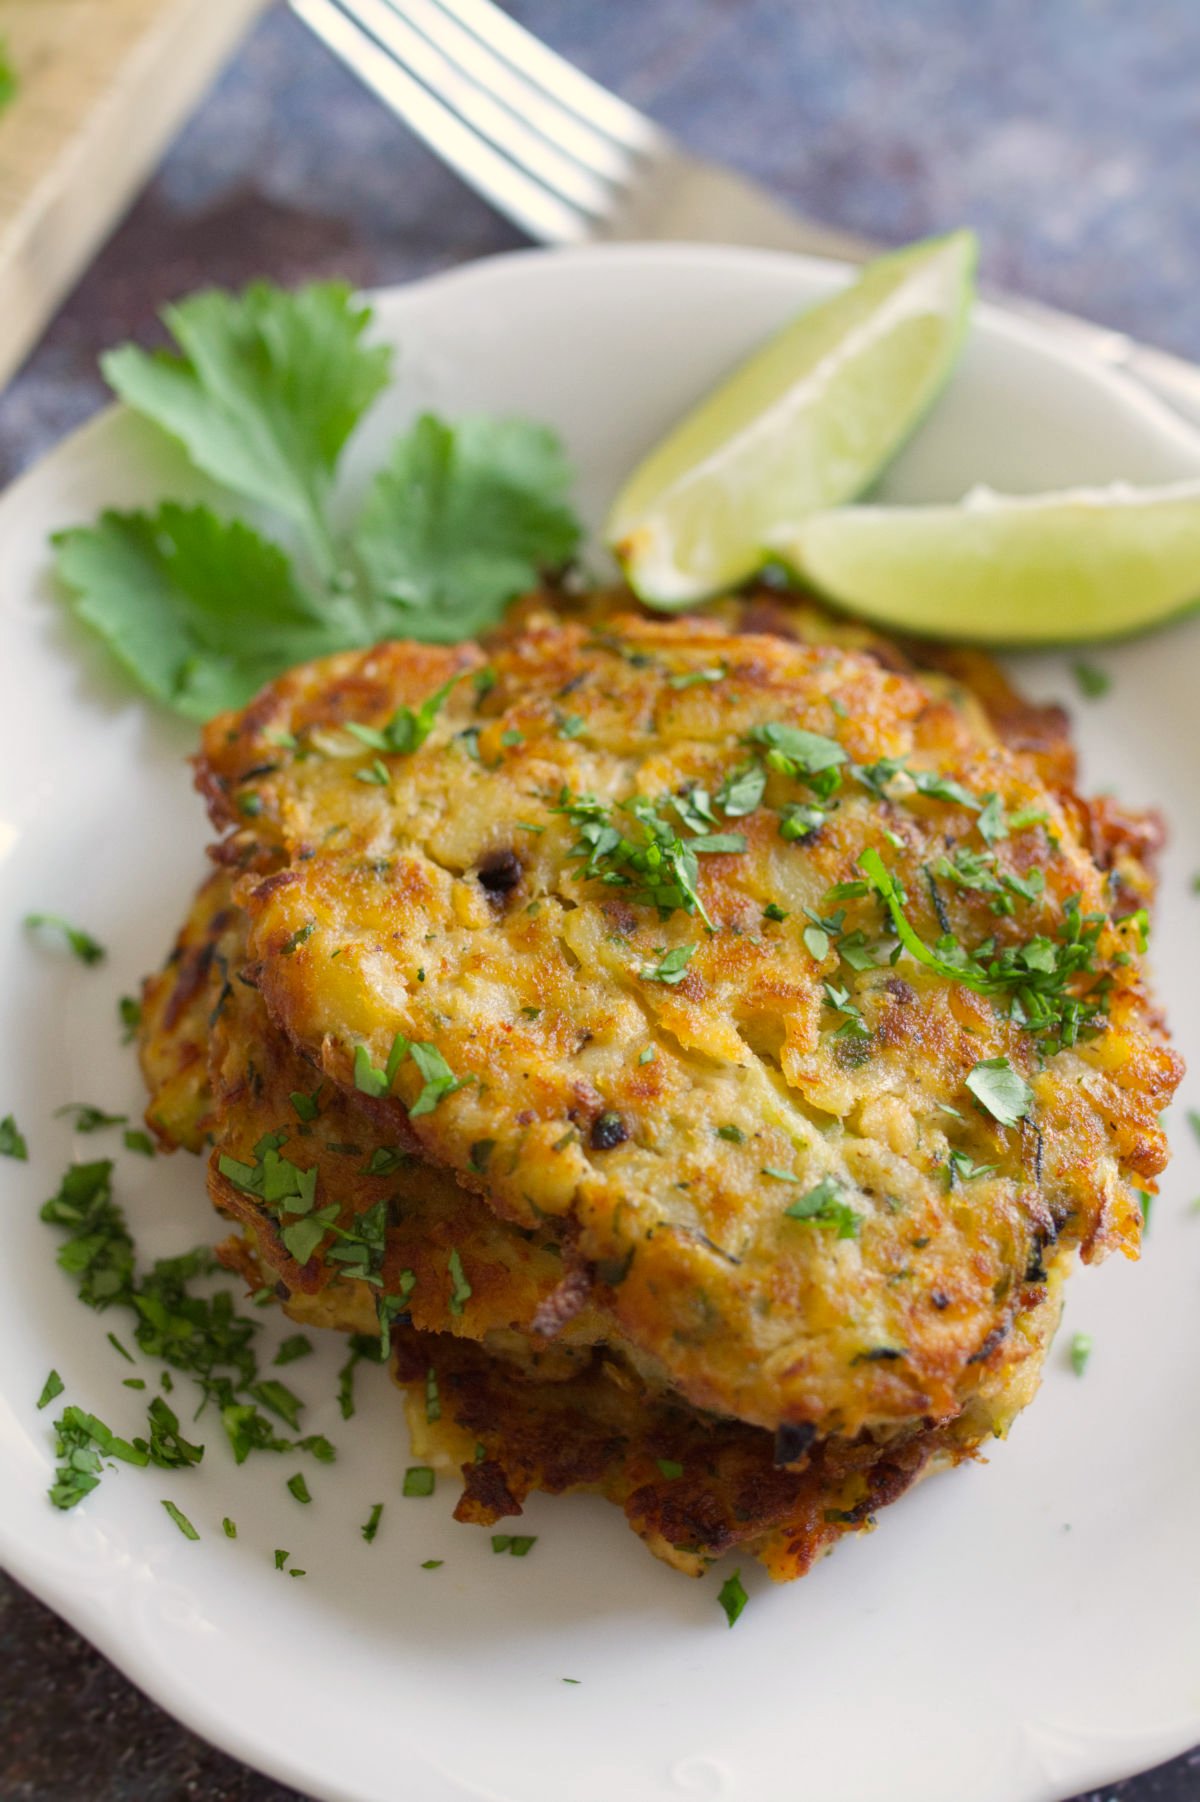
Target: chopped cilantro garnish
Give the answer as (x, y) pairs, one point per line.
(83, 946)
(419, 1480)
(181, 1521)
(799, 820)
(515, 1544)
(120, 1349)
(432, 1563)
(670, 1468)
(298, 1487)
(439, 1078)
(294, 940)
(1002, 1090)
(281, 1558)
(385, 1160)
(461, 1289)
(672, 968)
(742, 791)
(773, 911)
(1080, 1351)
(371, 1525)
(12, 1142)
(652, 859)
(141, 1142)
(98, 1251)
(229, 1528)
(816, 942)
(375, 772)
(734, 1134)
(823, 1205)
(129, 1012)
(279, 1399)
(732, 1597)
(305, 1105)
(406, 731)
(1092, 682)
(81, 1443)
(962, 1168)
(799, 752)
(1035, 976)
(52, 1387)
(167, 1447)
(297, 1345)
(693, 678)
(943, 788)
(88, 1119)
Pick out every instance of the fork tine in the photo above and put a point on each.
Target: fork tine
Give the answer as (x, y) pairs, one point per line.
(545, 216)
(568, 85)
(388, 23)
(529, 101)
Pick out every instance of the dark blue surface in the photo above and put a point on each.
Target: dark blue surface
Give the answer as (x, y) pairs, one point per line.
(1066, 131)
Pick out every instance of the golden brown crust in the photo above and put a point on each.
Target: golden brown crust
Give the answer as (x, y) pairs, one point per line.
(384, 910)
(599, 1278)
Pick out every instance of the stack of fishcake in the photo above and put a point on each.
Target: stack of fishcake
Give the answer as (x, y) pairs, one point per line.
(697, 1047)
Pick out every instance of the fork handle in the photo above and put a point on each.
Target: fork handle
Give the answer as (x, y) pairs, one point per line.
(687, 200)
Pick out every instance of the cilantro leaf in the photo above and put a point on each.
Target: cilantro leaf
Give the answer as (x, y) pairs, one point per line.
(1002, 1090)
(267, 390)
(672, 968)
(439, 1079)
(201, 611)
(732, 1597)
(85, 1118)
(181, 1521)
(823, 1206)
(463, 519)
(83, 946)
(13, 1143)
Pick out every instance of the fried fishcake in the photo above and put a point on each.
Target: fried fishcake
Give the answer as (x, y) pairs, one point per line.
(692, 1486)
(656, 1067)
(509, 1287)
(398, 1226)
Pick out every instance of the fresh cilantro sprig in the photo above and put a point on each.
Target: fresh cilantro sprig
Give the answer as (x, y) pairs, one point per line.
(262, 394)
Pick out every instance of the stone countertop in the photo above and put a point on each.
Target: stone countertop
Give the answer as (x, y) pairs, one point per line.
(1068, 133)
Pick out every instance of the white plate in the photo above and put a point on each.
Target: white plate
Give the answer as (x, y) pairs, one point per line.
(1011, 1634)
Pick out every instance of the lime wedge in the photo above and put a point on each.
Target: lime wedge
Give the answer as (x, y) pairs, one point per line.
(1002, 569)
(806, 423)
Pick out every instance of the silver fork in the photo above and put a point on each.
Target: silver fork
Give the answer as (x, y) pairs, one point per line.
(571, 163)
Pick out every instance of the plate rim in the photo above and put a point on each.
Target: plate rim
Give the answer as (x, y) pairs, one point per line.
(21, 1559)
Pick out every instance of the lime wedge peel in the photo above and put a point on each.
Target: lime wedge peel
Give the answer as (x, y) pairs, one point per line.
(1017, 570)
(806, 423)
